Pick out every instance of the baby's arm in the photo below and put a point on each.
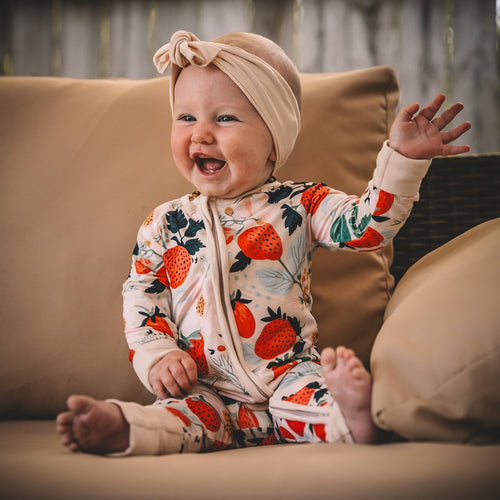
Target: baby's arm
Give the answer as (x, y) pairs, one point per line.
(151, 332)
(422, 136)
(173, 375)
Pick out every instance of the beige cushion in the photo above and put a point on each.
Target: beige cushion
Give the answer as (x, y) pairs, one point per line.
(34, 466)
(82, 164)
(436, 361)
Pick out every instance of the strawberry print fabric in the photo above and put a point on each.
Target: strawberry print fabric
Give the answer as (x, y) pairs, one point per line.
(300, 410)
(228, 281)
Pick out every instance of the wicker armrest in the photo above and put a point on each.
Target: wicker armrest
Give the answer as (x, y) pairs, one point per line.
(457, 194)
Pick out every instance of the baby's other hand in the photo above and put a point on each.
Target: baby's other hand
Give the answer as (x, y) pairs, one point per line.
(174, 375)
(421, 136)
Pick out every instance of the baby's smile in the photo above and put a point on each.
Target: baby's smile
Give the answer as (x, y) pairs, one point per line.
(209, 165)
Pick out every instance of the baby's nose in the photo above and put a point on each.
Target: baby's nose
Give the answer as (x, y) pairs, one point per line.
(202, 135)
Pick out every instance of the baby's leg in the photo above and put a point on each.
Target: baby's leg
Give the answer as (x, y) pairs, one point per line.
(304, 410)
(93, 426)
(351, 386)
(198, 422)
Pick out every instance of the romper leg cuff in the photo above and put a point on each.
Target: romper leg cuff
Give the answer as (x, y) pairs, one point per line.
(337, 430)
(153, 431)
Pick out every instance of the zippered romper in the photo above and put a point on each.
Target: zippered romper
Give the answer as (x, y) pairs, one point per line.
(228, 281)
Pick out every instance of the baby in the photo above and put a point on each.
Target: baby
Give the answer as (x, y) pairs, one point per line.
(217, 307)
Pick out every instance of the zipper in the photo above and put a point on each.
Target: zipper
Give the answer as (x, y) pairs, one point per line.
(255, 388)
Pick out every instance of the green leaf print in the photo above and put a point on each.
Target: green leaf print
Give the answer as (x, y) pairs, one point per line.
(339, 232)
(360, 228)
(176, 220)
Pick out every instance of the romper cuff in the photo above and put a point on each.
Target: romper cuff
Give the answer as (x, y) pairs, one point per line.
(153, 431)
(146, 355)
(397, 174)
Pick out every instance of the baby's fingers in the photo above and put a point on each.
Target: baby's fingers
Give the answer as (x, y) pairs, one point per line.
(455, 133)
(429, 111)
(447, 116)
(181, 379)
(191, 370)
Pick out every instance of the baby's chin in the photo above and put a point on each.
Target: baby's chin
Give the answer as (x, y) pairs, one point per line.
(224, 192)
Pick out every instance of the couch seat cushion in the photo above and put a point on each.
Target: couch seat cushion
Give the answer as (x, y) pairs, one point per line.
(33, 465)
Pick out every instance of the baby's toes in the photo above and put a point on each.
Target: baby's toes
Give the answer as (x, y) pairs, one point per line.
(328, 359)
(64, 422)
(354, 363)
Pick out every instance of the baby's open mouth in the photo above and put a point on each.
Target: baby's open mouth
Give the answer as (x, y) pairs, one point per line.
(209, 165)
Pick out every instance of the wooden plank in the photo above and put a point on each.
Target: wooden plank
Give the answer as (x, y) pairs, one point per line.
(31, 38)
(80, 39)
(434, 45)
(6, 68)
(206, 19)
(276, 19)
(130, 33)
(337, 35)
(417, 49)
(172, 16)
(475, 72)
(223, 16)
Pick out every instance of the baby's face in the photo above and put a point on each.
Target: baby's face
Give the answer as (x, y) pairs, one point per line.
(219, 142)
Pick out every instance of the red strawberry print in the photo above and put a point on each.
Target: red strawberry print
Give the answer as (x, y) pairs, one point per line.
(141, 266)
(320, 431)
(197, 352)
(161, 275)
(261, 243)
(216, 446)
(384, 202)
(369, 239)
(205, 412)
(179, 414)
(304, 395)
(228, 234)
(279, 368)
(156, 320)
(297, 427)
(131, 354)
(177, 263)
(278, 336)
(269, 440)
(286, 434)
(160, 324)
(245, 321)
(313, 196)
(246, 418)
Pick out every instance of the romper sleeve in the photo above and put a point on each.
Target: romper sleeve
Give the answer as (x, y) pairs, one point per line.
(369, 222)
(149, 329)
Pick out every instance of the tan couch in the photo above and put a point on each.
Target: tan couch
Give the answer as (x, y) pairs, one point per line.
(82, 164)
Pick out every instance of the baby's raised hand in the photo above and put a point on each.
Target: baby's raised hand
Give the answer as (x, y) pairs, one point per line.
(173, 375)
(421, 135)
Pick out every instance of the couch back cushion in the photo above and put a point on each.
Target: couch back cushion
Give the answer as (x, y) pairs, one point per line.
(82, 163)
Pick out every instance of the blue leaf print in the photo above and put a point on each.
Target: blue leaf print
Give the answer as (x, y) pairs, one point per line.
(275, 281)
(297, 253)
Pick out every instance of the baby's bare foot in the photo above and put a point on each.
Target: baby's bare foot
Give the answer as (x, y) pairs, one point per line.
(93, 426)
(351, 386)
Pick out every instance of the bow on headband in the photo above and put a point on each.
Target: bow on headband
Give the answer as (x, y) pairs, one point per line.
(264, 87)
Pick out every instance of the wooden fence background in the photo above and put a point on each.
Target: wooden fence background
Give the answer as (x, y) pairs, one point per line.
(435, 46)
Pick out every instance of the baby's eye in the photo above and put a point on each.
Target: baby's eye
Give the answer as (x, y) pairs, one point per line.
(226, 118)
(187, 118)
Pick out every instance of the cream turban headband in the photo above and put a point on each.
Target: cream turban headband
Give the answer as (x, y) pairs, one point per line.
(264, 87)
